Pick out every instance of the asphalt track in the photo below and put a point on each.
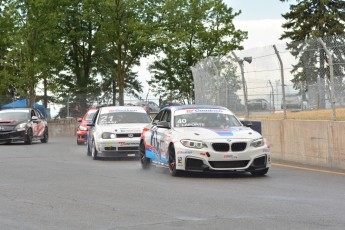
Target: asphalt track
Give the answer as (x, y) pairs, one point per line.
(56, 186)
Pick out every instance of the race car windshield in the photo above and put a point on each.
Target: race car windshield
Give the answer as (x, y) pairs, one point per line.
(123, 118)
(90, 115)
(206, 120)
(18, 115)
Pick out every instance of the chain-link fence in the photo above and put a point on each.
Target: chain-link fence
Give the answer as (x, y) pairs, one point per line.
(297, 76)
(297, 73)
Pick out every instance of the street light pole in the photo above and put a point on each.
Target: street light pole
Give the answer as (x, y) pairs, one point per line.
(244, 85)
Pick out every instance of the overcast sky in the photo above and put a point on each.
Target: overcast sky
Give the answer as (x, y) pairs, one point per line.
(259, 9)
(261, 19)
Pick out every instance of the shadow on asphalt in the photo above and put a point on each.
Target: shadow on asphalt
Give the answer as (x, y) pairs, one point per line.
(203, 175)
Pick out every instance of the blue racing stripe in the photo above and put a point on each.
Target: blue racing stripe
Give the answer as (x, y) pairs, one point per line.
(150, 154)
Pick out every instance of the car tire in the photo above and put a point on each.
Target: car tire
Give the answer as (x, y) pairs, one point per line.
(94, 151)
(28, 137)
(45, 136)
(145, 162)
(172, 163)
(260, 172)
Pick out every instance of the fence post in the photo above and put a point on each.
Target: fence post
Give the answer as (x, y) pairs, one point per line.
(273, 106)
(331, 73)
(282, 78)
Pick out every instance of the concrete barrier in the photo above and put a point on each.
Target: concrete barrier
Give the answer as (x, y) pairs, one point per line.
(317, 143)
(63, 128)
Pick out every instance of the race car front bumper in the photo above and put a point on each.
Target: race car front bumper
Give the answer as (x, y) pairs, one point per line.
(248, 160)
(194, 164)
(124, 147)
(81, 136)
(7, 137)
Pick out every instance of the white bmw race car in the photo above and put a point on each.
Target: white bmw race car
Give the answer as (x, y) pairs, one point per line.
(202, 138)
(115, 131)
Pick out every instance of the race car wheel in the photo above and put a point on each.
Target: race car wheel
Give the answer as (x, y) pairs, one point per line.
(45, 136)
(260, 172)
(172, 162)
(94, 151)
(28, 137)
(145, 162)
(80, 143)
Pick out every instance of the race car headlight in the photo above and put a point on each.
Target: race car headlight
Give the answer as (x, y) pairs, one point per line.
(21, 126)
(108, 136)
(193, 144)
(257, 143)
(82, 128)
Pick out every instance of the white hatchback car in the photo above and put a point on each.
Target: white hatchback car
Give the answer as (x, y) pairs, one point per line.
(115, 131)
(202, 138)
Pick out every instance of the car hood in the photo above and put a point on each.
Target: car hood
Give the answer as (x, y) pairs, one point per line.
(199, 133)
(122, 128)
(11, 122)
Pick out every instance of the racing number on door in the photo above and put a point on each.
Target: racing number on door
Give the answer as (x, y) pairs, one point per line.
(155, 142)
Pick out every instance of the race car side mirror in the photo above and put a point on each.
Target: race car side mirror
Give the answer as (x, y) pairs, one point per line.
(247, 123)
(80, 119)
(34, 118)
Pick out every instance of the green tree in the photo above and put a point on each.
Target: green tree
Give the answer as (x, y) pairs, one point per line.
(78, 29)
(6, 23)
(308, 20)
(193, 30)
(29, 54)
(129, 32)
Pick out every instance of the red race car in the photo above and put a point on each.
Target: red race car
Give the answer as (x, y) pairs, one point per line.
(82, 128)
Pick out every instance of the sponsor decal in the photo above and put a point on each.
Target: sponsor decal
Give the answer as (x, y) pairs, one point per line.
(130, 135)
(230, 156)
(120, 110)
(184, 152)
(179, 160)
(122, 143)
(203, 154)
(204, 111)
(124, 130)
